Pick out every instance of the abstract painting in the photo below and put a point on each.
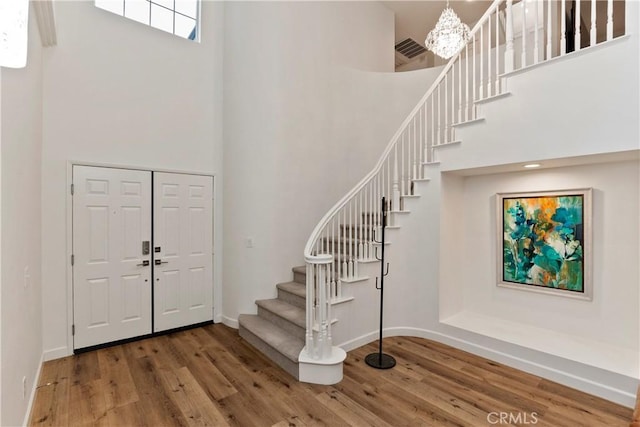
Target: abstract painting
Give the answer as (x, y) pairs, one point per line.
(544, 241)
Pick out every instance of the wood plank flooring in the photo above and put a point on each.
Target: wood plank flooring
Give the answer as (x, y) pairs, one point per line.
(636, 411)
(209, 376)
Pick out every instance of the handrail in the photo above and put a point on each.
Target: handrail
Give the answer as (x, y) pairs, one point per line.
(342, 202)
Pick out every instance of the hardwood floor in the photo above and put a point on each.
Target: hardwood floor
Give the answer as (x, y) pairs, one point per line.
(210, 376)
(636, 411)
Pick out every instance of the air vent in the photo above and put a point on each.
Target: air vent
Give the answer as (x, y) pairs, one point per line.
(410, 48)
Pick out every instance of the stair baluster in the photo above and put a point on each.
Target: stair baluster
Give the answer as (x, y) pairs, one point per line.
(577, 20)
(536, 31)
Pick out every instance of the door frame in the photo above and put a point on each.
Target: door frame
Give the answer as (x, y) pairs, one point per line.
(216, 230)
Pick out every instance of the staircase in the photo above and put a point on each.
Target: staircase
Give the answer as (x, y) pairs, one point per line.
(294, 329)
(278, 330)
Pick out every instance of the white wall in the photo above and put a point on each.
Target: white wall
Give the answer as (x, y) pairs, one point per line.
(21, 145)
(122, 93)
(310, 101)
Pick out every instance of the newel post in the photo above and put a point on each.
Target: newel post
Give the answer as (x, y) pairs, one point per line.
(318, 335)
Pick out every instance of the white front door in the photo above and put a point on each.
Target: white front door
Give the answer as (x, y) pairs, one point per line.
(111, 283)
(183, 250)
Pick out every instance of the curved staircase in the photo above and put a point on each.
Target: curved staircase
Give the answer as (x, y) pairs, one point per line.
(295, 329)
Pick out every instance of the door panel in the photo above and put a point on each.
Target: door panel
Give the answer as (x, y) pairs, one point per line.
(183, 288)
(111, 219)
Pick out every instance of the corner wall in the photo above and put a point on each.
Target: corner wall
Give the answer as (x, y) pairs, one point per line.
(21, 291)
(121, 93)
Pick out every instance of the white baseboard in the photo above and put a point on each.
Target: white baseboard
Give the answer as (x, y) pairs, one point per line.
(32, 395)
(362, 340)
(232, 323)
(56, 353)
(217, 318)
(620, 389)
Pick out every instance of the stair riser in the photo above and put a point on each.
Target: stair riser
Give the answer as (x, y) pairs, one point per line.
(273, 354)
(300, 278)
(282, 323)
(292, 298)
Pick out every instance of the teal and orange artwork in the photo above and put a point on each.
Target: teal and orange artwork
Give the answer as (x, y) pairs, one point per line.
(543, 242)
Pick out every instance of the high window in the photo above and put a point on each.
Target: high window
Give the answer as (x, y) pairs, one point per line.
(179, 17)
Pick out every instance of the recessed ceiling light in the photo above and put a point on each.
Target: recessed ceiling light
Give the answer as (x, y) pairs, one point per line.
(532, 165)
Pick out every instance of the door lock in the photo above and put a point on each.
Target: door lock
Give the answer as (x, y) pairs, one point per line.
(145, 247)
(144, 263)
(159, 262)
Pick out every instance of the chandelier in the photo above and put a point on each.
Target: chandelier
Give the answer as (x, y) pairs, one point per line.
(14, 15)
(449, 34)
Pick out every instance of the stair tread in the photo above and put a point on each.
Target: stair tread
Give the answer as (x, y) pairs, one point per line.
(280, 340)
(293, 288)
(301, 269)
(293, 314)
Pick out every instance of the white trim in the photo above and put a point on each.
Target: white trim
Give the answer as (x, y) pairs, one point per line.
(56, 353)
(232, 323)
(217, 247)
(32, 395)
(137, 167)
(69, 268)
(326, 371)
(566, 55)
(369, 260)
(621, 390)
(340, 300)
(352, 280)
(462, 124)
(492, 98)
(447, 144)
(46, 19)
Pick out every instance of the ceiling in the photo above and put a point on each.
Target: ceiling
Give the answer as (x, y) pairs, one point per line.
(415, 19)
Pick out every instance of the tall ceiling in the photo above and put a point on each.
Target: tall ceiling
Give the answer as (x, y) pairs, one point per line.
(414, 19)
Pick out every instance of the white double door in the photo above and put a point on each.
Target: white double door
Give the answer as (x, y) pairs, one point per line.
(142, 248)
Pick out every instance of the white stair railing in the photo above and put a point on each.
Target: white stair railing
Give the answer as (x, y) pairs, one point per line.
(511, 35)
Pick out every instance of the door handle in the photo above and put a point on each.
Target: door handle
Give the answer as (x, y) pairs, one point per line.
(159, 262)
(144, 263)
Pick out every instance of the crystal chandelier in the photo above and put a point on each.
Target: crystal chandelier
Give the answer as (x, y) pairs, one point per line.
(14, 15)
(448, 36)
